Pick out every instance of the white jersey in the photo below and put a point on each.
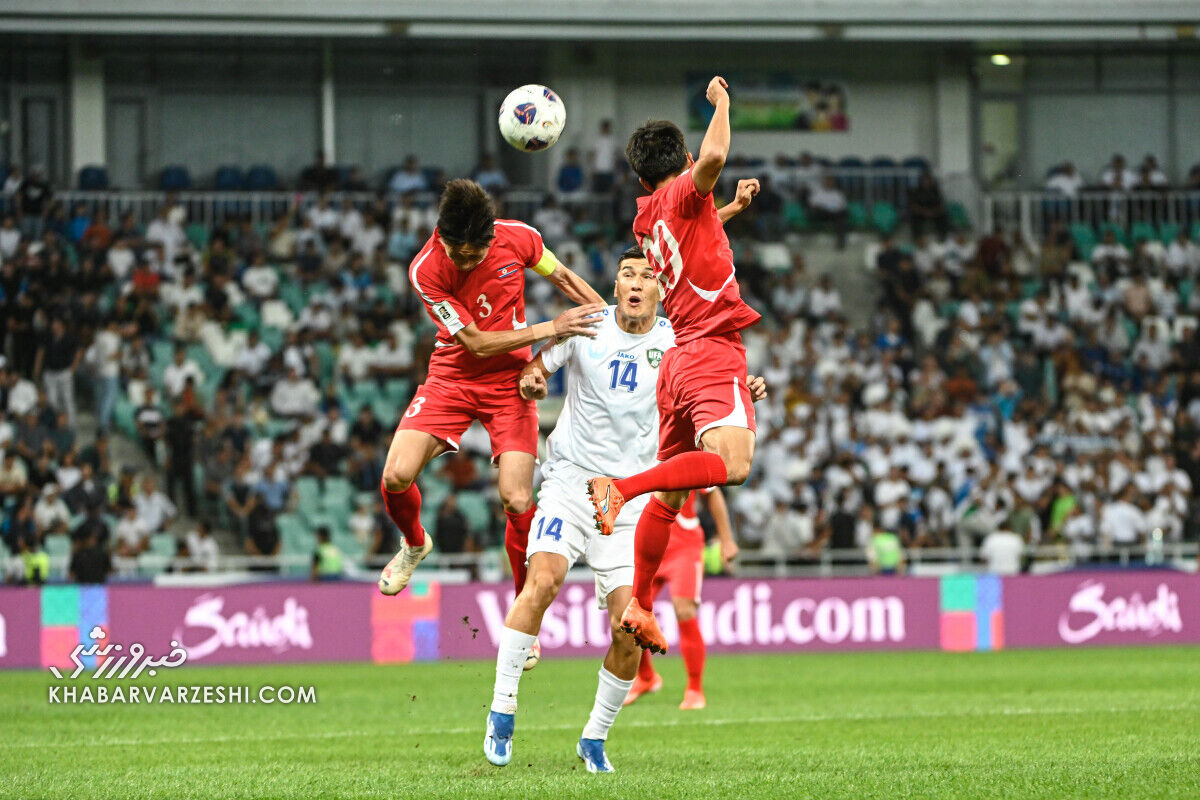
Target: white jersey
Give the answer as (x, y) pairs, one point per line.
(609, 421)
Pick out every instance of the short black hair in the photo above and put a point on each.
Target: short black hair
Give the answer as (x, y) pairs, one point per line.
(657, 150)
(466, 214)
(631, 254)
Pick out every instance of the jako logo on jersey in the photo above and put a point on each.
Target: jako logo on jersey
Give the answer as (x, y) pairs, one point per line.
(507, 269)
(627, 356)
(654, 356)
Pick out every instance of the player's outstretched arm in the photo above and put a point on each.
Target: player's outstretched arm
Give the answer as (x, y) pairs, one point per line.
(720, 514)
(574, 287)
(715, 147)
(532, 383)
(746, 189)
(578, 321)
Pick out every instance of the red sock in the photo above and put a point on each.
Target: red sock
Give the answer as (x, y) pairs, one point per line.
(516, 542)
(405, 510)
(649, 543)
(645, 668)
(691, 647)
(685, 471)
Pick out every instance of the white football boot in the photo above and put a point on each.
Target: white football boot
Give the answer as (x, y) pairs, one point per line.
(399, 570)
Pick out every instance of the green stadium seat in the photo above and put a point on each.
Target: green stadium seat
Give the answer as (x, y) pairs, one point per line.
(197, 234)
(308, 494)
(398, 389)
(1084, 238)
(884, 217)
(272, 338)
(474, 507)
(163, 545)
(1121, 234)
(959, 219)
(1168, 231)
(1142, 232)
(795, 216)
(58, 545)
(337, 496)
(856, 215)
(293, 295)
(248, 317)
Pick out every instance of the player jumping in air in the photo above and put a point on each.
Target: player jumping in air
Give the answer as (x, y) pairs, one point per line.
(683, 569)
(706, 420)
(607, 420)
(471, 277)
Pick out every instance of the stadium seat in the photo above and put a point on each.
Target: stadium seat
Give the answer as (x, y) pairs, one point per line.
(474, 507)
(884, 217)
(795, 216)
(1084, 238)
(1142, 232)
(197, 234)
(174, 178)
(247, 316)
(1121, 234)
(58, 545)
(856, 215)
(1168, 231)
(1194, 233)
(261, 178)
(958, 216)
(93, 178)
(229, 179)
(163, 545)
(398, 389)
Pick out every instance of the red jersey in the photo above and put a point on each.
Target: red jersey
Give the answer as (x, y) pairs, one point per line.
(492, 295)
(682, 236)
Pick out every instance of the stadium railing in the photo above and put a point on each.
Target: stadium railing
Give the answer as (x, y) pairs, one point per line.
(1130, 214)
(209, 208)
(490, 564)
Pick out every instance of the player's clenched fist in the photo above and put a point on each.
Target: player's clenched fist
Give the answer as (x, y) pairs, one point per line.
(716, 91)
(746, 189)
(578, 321)
(757, 387)
(533, 386)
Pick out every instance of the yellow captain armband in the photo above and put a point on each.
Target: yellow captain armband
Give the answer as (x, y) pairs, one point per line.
(547, 264)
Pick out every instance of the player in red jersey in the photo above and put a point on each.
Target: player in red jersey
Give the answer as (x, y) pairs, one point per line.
(682, 569)
(706, 416)
(471, 277)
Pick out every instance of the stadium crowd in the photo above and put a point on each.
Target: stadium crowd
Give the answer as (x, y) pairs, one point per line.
(1002, 393)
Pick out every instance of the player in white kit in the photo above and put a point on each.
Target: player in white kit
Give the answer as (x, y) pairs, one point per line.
(608, 425)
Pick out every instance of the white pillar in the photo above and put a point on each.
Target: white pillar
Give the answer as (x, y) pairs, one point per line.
(86, 103)
(328, 122)
(953, 94)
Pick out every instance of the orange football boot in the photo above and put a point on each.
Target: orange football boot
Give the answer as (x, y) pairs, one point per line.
(644, 627)
(608, 501)
(693, 700)
(642, 686)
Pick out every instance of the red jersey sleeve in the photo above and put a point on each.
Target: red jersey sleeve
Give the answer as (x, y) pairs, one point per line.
(429, 279)
(525, 241)
(684, 198)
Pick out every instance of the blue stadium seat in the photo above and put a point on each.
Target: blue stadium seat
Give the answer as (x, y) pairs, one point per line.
(174, 178)
(93, 178)
(261, 178)
(229, 179)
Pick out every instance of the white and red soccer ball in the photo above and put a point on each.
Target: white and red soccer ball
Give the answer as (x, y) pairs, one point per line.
(532, 117)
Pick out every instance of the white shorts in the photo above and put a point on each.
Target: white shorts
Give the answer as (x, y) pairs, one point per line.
(564, 524)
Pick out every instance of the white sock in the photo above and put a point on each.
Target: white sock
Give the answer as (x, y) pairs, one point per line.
(610, 694)
(510, 662)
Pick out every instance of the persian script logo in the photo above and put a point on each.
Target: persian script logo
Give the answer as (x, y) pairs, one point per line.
(241, 630)
(1161, 613)
(111, 662)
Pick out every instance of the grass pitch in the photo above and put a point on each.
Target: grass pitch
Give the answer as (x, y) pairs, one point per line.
(1101, 723)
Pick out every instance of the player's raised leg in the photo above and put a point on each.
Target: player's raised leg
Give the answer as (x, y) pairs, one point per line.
(410, 451)
(544, 579)
(616, 677)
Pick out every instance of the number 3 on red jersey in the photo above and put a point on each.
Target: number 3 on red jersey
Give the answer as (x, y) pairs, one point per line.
(662, 249)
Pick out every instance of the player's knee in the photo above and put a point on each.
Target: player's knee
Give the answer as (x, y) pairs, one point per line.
(623, 642)
(516, 501)
(396, 479)
(737, 470)
(542, 587)
(685, 609)
(673, 499)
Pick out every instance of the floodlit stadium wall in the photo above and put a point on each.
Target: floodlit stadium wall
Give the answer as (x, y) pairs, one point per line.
(303, 622)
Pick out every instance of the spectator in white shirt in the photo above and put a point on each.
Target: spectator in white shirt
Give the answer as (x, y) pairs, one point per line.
(1002, 551)
(1066, 181)
(22, 393)
(202, 547)
(1118, 176)
(351, 223)
(120, 258)
(154, 509)
(390, 358)
(1150, 177)
(1110, 254)
(325, 218)
(1183, 256)
(50, 512)
(10, 237)
(1153, 348)
(409, 178)
(824, 299)
(490, 176)
(260, 280)
(252, 358)
(131, 534)
(167, 231)
(604, 158)
(178, 371)
(786, 532)
(1122, 522)
(355, 359)
(828, 205)
(294, 396)
(552, 220)
(370, 238)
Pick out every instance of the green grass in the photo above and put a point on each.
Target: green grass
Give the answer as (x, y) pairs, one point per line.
(1101, 723)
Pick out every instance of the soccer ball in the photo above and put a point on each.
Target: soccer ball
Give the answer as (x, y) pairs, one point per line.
(532, 117)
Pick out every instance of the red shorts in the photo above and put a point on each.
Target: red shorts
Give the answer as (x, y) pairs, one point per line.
(701, 385)
(444, 410)
(682, 566)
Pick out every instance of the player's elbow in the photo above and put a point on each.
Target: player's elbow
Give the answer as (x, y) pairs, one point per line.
(712, 158)
(737, 470)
